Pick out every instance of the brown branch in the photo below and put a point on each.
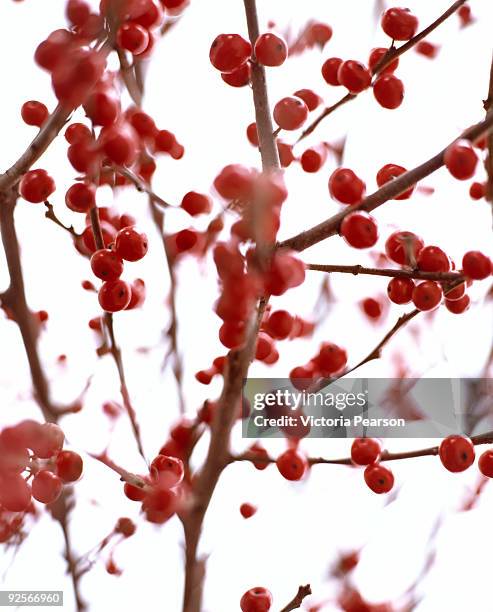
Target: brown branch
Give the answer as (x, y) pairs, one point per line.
(392, 54)
(488, 107)
(387, 192)
(50, 214)
(415, 274)
(237, 365)
(128, 76)
(430, 451)
(142, 186)
(113, 345)
(295, 603)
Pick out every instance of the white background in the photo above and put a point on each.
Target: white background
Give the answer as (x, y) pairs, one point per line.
(299, 528)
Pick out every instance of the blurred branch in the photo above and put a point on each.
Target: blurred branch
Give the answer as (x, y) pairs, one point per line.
(387, 192)
(488, 107)
(392, 54)
(142, 186)
(295, 603)
(415, 274)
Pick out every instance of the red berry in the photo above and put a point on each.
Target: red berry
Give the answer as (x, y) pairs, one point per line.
(427, 49)
(48, 441)
(388, 91)
(138, 291)
(143, 124)
(46, 487)
(49, 52)
(456, 453)
(119, 143)
(270, 50)
(160, 505)
(465, 16)
(319, 34)
(126, 527)
(77, 132)
(83, 156)
(279, 324)
(247, 510)
(185, 240)
(78, 12)
(259, 452)
(130, 244)
(252, 134)
(132, 37)
(68, 466)
(331, 359)
(354, 75)
(365, 451)
(433, 259)
(164, 141)
(455, 294)
(292, 464)
(400, 290)
(477, 191)
(290, 113)
(108, 232)
(134, 493)
(34, 113)
(106, 265)
(485, 463)
(196, 203)
(390, 172)
(229, 51)
(36, 186)
(314, 158)
(399, 23)
(15, 493)
(372, 308)
(403, 247)
(114, 295)
(286, 156)
(167, 471)
(346, 187)
(330, 69)
(77, 74)
(234, 182)
(427, 295)
(359, 230)
(80, 197)
(376, 55)
(458, 306)
(309, 97)
(461, 160)
(239, 77)
(379, 478)
(102, 108)
(257, 599)
(476, 265)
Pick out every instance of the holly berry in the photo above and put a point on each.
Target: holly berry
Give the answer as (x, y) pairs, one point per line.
(365, 451)
(330, 70)
(292, 464)
(456, 453)
(34, 113)
(388, 91)
(258, 599)
(106, 264)
(196, 203)
(485, 463)
(346, 187)
(379, 478)
(36, 186)
(229, 51)
(247, 510)
(359, 230)
(80, 197)
(476, 265)
(461, 160)
(270, 50)
(354, 76)
(399, 23)
(433, 259)
(114, 295)
(68, 466)
(376, 55)
(290, 113)
(130, 244)
(46, 487)
(400, 290)
(132, 37)
(403, 248)
(388, 173)
(427, 295)
(458, 306)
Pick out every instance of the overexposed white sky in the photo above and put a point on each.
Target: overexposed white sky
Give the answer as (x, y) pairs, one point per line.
(299, 528)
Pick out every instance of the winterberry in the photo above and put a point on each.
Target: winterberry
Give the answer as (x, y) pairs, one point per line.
(359, 230)
(376, 56)
(185, 240)
(34, 113)
(119, 143)
(400, 290)
(239, 77)
(346, 187)
(461, 160)
(247, 510)
(399, 23)
(403, 247)
(102, 108)
(388, 173)
(229, 51)
(458, 306)
(388, 91)
(80, 197)
(258, 599)
(270, 50)
(354, 76)
(456, 453)
(279, 324)
(68, 466)
(196, 203)
(133, 492)
(427, 49)
(372, 308)
(331, 359)
(433, 259)
(476, 265)
(106, 264)
(477, 191)
(365, 451)
(330, 69)
(132, 37)
(485, 463)
(314, 158)
(114, 295)
(126, 527)
(46, 487)
(130, 244)
(379, 478)
(309, 97)
(36, 186)
(15, 493)
(290, 113)
(234, 182)
(427, 295)
(292, 464)
(167, 471)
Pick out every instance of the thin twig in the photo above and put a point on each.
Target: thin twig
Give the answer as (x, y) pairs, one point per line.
(142, 186)
(392, 54)
(488, 107)
(414, 274)
(50, 214)
(295, 603)
(387, 192)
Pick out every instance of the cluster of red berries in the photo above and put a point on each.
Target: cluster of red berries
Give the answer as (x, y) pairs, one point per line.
(138, 20)
(160, 490)
(331, 359)
(36, 449)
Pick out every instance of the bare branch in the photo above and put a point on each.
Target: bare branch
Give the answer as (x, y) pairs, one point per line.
(390, 272)
(295, 603)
